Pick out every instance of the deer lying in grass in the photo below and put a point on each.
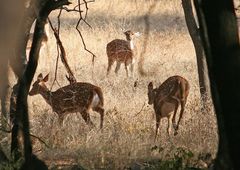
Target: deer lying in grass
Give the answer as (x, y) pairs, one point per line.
(166, 99)
(77, 97)
(122, 51)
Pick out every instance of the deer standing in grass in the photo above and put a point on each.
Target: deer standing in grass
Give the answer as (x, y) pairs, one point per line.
(122, 51)
(167, 98)
(77, 97)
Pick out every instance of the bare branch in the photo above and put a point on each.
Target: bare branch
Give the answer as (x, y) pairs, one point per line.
(55, 74)
(60, 46)
(40, 140)
(141, 109)
(70, 10)
(86, 6)
(71, 77)
(85, 2)
(80, 34)
(5, 130)
(77, 8)
(58, 53)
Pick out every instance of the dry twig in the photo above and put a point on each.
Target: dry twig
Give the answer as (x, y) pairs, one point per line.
(79, 32)
(34, 136)
(141, 109)
(60, 47)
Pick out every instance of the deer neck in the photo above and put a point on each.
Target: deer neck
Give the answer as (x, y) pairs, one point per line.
(131, 44)
(154, 95)
(46, 94)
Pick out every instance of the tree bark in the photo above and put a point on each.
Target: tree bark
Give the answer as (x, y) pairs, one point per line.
(71, 78)
(200, 55)
(18, 64)
(26, 79)
(219, 32)
(14, 31)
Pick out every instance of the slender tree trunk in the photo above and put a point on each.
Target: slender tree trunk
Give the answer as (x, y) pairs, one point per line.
(18, 63)
(219, 32)
(31, 161)
(200, 55)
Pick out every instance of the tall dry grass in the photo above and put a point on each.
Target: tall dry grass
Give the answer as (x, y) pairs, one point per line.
(126, 137)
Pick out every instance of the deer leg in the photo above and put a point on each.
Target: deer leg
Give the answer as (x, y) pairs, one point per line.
(126, 68)
(60, 119)
(86, 118)
(158, 118)
(110, 63)
(132, 68)
(101, 112)
(180, 116)
(117, 67)
(169, 127)
(174, 116)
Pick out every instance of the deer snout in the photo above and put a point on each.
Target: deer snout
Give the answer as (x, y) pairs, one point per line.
(150, 101)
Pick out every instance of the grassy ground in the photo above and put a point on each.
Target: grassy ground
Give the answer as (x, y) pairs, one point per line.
(127, 137)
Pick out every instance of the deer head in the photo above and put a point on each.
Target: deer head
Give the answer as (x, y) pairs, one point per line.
(151, 93)
(129, 35)
(39, 85)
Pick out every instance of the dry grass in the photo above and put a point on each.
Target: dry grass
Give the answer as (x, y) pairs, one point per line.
(125, 138)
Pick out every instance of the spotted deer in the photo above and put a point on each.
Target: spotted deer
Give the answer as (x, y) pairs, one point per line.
(122, 51)
(77, 97)
(167, 98)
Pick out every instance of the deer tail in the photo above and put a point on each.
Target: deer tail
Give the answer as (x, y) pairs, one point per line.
(100, 95)
(184, 88)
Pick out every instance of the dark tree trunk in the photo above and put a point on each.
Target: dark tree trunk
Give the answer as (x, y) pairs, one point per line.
(219, 32)
(31, 161)
(15, 26)
(18, 64)
(200, 55)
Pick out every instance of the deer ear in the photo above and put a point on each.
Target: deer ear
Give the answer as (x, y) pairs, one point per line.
(40, 77)
(45, 79)
(150, 86)
(137, 34)
(126, 32)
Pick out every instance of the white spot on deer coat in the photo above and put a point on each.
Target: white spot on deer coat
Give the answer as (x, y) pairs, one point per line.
(133, 60)
(95, 100)
(131, 45)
